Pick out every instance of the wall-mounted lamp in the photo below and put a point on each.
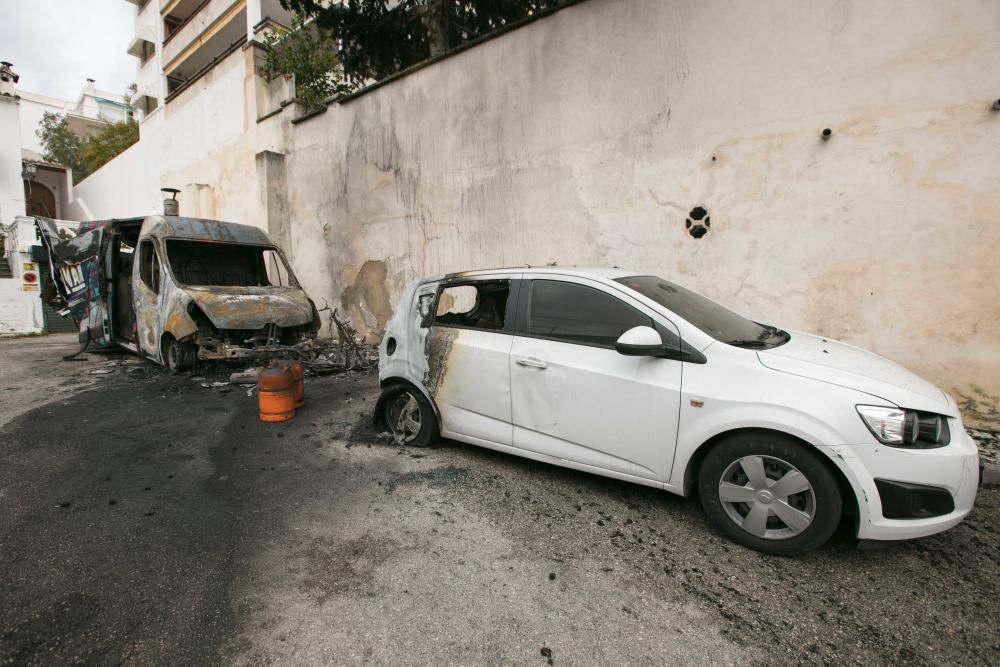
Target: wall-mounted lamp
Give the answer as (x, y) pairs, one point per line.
(826, 134)
(28, 170)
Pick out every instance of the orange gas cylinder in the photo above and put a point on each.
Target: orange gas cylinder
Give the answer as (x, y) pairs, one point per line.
(275, 395)
(298, 379)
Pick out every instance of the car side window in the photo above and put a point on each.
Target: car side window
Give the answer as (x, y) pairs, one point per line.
(149, 266)
(478, 305)
(579, 314)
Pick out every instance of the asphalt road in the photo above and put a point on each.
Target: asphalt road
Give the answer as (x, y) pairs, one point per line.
(146, 519)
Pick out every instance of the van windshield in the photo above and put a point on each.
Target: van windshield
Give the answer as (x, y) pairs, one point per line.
(714, 319)
(206, 264)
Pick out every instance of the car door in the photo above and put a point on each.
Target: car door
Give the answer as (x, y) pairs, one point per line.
(468, 358)
(147, 278)
(577, 399)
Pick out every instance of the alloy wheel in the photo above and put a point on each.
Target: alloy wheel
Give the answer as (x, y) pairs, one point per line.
(403, 417)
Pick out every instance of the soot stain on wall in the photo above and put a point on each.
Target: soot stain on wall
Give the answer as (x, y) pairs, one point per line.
(369, 293)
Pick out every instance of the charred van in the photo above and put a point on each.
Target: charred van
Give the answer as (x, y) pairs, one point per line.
(177, 289)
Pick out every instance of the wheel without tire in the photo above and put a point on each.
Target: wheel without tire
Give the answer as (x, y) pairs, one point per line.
(770, 493)
(179, 356)
(410, 417)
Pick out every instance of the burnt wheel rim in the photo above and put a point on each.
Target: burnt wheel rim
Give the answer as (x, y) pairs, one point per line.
(767, 497)
(173, 355)
(403, 417)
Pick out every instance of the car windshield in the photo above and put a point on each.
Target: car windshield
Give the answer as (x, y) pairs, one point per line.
(207, 264)
(717, 321)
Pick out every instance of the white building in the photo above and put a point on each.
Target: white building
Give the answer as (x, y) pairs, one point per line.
(29, 185)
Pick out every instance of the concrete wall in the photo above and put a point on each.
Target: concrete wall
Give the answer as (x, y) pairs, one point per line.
(20, 301)
(20, 312)
(128, 185)
(215, 122)
(11, 185)
(588, 138)
(33, 107)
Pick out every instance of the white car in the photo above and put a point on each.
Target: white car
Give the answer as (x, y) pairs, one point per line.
(636, 378)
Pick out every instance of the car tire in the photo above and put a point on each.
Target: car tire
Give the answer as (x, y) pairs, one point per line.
(770, 493)
(409, 416)
(179, 356)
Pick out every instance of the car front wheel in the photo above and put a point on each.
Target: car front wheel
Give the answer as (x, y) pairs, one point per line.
(770, 493)
(180, 356)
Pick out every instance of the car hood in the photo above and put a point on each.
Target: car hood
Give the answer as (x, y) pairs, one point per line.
(848, 366)
(252, 307)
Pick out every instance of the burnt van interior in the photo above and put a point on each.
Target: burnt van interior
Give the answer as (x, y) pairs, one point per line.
(124, 238)
(207, 264)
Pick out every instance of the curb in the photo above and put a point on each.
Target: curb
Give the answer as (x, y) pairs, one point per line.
(990, 476)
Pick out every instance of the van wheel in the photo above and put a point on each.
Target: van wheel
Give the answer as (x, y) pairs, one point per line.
(770, 493)
(179, 356)
(410, 418)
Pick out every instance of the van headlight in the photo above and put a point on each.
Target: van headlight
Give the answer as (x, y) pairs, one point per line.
(905, 428)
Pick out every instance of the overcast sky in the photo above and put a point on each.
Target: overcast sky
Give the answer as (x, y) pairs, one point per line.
(56, 45)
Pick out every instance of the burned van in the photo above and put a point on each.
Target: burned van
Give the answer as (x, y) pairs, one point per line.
(177, 289)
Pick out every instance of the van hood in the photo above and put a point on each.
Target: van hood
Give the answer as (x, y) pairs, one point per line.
(252, 307)
(848, 366)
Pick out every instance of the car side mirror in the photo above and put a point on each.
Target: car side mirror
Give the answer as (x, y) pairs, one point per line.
(640, 342)
(646, 342)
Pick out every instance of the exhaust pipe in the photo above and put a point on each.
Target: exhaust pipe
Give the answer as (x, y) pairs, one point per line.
(170, 204)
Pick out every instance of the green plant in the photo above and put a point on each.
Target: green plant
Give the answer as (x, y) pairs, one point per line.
(111, 141)
(84, 155)
(61, 144)
(309, 53)
(378, 38)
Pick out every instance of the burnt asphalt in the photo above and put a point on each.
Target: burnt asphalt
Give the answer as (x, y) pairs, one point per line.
(148, 520)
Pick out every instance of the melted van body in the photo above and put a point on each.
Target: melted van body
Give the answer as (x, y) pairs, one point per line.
(177, 289)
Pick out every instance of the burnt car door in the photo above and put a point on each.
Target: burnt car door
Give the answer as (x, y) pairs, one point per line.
(77, 275)
(468, 351)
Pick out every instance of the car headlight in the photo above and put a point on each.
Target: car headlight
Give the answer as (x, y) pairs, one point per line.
(905, 428)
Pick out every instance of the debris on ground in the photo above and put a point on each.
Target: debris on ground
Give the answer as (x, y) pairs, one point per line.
(345, 352)
(249, 376)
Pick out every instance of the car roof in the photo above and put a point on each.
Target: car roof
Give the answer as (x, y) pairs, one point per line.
(607, 273)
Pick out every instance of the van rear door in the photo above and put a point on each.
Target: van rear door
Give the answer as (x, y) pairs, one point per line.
(76, 274)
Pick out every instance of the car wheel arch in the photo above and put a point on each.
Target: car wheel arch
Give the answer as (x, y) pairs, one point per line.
(165, 338)
(847, 491)
(399, 383)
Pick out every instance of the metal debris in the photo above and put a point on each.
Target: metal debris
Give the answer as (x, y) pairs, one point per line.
(249, 376)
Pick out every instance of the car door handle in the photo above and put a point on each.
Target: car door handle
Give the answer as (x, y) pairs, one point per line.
(531, 362)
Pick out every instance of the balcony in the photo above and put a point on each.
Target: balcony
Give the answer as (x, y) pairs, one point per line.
(207, 19)
(142, 47)
(211, 34)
